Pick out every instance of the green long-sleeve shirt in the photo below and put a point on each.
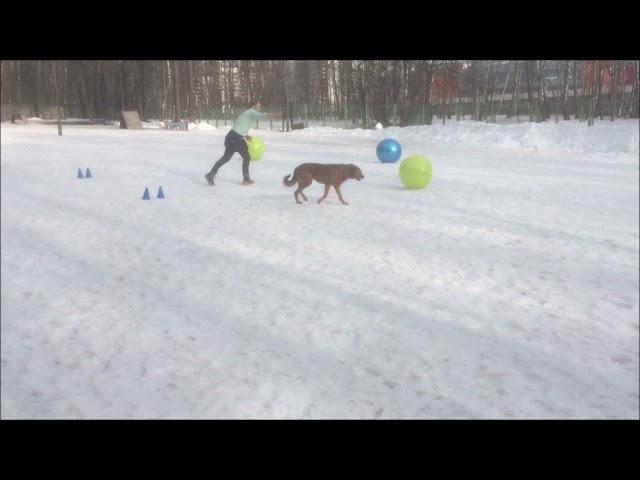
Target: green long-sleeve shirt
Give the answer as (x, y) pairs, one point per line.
(245, 121)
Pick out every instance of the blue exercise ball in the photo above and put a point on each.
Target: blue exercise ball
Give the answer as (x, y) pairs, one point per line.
(388, 151)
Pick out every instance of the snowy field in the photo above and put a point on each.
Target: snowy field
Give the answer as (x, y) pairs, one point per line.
(508, 288)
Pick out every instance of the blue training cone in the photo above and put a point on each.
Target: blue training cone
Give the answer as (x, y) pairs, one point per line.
(146, 194)
(160, 192)
(80, 174)
(88, 175)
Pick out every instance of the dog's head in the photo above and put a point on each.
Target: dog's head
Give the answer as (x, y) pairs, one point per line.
(355, 172)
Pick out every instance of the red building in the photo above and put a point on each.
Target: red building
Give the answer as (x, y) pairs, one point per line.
(591, 68)
(445, 83)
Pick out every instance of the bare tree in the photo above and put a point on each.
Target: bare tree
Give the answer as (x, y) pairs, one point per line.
(476, 89)
(516, 92)
(575, 91)
(485, 93)
(504, 88)
(542, 91)
(613, 75)
(177, 114)
(83, 95)
(37, 81)
(623, 81)
(632, 109)
(140, 90)
(529, 95)
(190, 98)
(55, 83)
(494, 87)
(565, 89)
(601, 67)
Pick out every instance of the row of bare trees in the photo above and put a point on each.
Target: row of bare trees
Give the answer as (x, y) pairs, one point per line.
(391, 91)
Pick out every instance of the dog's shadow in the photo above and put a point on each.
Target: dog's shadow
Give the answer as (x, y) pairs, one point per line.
(273, 197)
(395, 188)
(288, 198)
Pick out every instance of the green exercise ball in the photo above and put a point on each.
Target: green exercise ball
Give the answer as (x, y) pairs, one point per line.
(256, 148)
(415, 172)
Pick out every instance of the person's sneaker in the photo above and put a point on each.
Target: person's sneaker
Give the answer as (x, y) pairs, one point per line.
(247, 181)
(209, 178)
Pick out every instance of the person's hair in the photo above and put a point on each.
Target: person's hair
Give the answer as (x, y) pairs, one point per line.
(253, 103)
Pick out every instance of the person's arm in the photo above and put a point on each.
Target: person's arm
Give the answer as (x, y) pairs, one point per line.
(257, 116)
(263, 115)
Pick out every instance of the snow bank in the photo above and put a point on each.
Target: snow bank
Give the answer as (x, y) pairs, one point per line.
(603, 137)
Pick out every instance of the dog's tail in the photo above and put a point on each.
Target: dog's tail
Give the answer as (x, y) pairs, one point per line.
(290, 183)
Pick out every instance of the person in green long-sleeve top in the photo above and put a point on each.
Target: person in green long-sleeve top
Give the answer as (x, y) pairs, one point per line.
(236, 142)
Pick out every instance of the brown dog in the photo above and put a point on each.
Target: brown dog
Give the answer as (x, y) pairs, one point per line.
(329, 175)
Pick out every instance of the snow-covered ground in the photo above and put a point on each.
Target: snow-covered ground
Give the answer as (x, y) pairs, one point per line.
(508, 288)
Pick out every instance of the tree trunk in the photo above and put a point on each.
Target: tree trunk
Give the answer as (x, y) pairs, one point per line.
(122, 89)
(565, 90)
(142, 102)
(493, 91)
(99, 88)
(5, 83)
(542, 91)
(476, 91)
(529, 95)
(612, 88)
(576, 113)
(82, 91)
(62, 84)
(176, 90)
(165, 73)
(632, 110)
(336, 96)
(230, 90)
(190, 97)
(516, 91)
(485, 92)
(623, 82)
(504, 88)
(444, 108)
(55, 86)
(428, 79)
(600, 80)
(18, 73)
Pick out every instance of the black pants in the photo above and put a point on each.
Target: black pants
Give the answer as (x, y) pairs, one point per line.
(234, 143)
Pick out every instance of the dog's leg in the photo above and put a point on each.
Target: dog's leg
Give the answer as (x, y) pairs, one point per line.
(295, 194)
(326, 192)
(337, 187)
(303, 183)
